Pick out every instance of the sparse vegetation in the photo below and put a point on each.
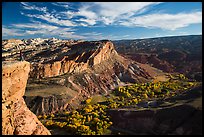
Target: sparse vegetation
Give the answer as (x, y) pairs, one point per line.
(92, 119)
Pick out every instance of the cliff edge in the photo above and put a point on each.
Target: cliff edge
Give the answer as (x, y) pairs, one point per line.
(17, 119)
(69, 59)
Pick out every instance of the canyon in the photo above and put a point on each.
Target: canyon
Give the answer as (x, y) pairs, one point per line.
(87, 69)
(63, 73)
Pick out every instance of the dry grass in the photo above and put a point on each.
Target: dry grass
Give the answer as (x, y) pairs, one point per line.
(160, 78)
(47, 90)
(97, 98)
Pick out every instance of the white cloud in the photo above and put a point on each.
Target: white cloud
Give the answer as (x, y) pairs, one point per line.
(52, 32)
(115, 13)
(40, 29)
(84, 11)
(107, 20)
(129, 14)
(36, 28)
(126, 36)
(36, 25)
(71, 35)
(111, 12)
(99, 36)
(52, 19)
(11, 32)
(165, 21)
(92, 33)
(106, 13)
(90, 14)
(83, 24)
(67, 14)
(61, 4)
(88, 21)
(115, 9)
(28, 6)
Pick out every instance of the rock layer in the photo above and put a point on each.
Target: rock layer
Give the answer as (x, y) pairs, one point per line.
(76, 58)
(17, 119)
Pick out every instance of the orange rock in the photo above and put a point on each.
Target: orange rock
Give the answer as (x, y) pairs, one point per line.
(16, 117)
(77, 63)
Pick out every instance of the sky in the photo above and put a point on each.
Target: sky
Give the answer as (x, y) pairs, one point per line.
(100, 20)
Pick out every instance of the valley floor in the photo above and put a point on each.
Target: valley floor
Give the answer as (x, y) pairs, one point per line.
(128, 111)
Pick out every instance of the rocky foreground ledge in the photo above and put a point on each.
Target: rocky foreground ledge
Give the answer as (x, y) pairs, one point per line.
(17, 119)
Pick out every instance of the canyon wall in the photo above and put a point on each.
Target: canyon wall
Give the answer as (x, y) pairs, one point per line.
(17, 119)
(74, 62)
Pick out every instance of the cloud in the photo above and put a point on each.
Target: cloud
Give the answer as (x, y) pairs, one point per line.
(107, 20)
(35, 28)
(88, 21)
(43, 29)
(165, 21)
(36, 25)
(51, 19)
(89, 17)
(111, 12)
(27, 6)
(127, 14)
(61, 4)
(67, 14)
(50, 22)
(92, 33)
(45, 15)
(126, 36)
(106, 13)
(84, 11)
(11, 32)
(90, 14)
(115, 9)
(70, 35)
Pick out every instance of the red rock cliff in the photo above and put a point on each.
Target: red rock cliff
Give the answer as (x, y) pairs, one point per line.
(86, 55)
(17, 119)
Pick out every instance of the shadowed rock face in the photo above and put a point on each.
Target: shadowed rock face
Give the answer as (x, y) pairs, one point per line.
(178, 120)
(184, 118)
(17, 119)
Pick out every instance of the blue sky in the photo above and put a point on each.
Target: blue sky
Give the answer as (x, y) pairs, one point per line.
(100, 20)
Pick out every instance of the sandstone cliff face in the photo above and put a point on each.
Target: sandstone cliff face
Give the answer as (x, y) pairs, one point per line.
(86, 54)
(17, 119)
